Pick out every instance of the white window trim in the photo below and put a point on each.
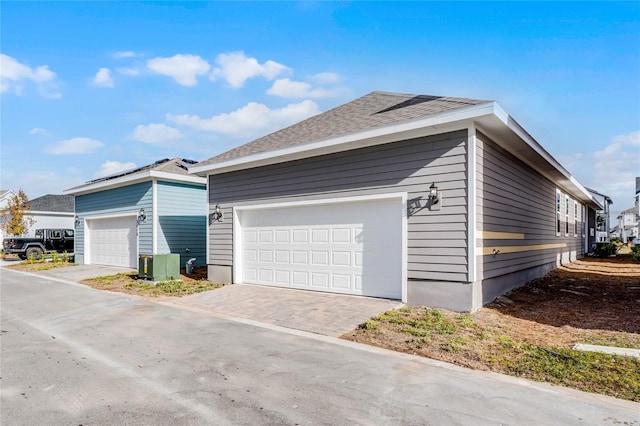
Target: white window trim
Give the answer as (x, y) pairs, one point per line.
(566, 216)
(237, 227)
(558, 223)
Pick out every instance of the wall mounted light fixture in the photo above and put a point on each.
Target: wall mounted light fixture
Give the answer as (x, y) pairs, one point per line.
(77, 221)
(142, 217)
(216, 216)
(433, 194)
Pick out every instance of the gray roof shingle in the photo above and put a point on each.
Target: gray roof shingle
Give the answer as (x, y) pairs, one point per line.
(177, 166)
(373, 110)
(53, 203)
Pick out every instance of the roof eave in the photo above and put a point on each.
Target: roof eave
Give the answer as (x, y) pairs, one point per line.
(510, 135)
(133, 179)
(424, 126)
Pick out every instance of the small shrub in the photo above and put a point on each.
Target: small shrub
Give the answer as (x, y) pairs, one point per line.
(369, 325)
(55, 258)
(635, 253)
(65, 257)
(31, 259)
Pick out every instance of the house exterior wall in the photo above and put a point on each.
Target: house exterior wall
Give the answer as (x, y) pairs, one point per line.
(437, 240)
(517, 219)
(182, 225)
(50, 220)
(116, 202)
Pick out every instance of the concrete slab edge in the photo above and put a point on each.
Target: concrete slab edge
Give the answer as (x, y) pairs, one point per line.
(607, 350)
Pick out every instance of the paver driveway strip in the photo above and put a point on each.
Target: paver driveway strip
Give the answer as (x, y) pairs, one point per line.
(316, 312)
(328, 314)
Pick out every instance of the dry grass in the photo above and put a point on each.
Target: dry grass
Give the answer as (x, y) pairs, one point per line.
(530, 332)
(129, 284)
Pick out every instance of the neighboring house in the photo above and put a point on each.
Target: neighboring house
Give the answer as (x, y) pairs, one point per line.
(599, 230)
(431, 200)
(628, 224)
(5, 196)
(51, 211)
(155, 209)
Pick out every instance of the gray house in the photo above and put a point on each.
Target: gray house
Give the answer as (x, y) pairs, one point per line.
(51, 211)
(432, 200)
(155, 209)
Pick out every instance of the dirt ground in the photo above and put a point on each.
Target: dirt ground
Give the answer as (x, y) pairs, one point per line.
(592, 300)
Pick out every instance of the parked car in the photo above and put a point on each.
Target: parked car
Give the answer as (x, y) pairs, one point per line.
(45, 240)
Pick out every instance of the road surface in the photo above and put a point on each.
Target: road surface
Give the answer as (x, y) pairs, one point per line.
(77, 356)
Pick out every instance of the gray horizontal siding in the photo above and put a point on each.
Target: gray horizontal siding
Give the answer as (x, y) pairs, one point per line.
(182, 223)
(114, 202)
(512, 197)
(437, 239)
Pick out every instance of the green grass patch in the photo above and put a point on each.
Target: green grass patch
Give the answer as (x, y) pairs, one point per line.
(433, 333)
(130, 284)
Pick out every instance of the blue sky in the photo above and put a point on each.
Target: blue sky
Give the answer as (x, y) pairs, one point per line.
(91, 88)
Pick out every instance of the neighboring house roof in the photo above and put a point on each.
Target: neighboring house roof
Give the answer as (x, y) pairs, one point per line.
(606, 198)
(53, 203)
(175, 170)
(382, 117)
(6, 193)
(630, 210)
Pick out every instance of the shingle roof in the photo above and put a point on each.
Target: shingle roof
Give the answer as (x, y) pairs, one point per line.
(373, 110)
(53, 203)
(175, 165)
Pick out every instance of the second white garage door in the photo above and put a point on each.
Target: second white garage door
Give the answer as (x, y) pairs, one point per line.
(113, 241)
(351, 248)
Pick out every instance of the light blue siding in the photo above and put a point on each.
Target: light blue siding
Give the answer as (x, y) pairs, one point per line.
(114, 202)
(182, 223)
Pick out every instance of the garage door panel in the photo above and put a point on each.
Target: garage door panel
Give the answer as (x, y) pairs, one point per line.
(113, 241)
(353, 248)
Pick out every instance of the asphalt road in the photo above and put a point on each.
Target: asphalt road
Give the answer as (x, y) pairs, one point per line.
(76, 356)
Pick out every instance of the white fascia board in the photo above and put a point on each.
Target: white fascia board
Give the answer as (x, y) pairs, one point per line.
(132, 179)
(517, 129)
(47, 213)
(424, 126)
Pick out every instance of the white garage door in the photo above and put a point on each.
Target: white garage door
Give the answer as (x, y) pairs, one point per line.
(352, 248)
(113, 242)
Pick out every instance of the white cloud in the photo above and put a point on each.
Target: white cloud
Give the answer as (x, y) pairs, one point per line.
(184, 69)
(37, 131)
(611, 170)
(155, 133)
(122, 55)
(14, 75)
(128, 71)
(74, 146)
(326, 78)
(287, 88)
(111, 167)
(103, 78)
(236, 68)
(252, 119)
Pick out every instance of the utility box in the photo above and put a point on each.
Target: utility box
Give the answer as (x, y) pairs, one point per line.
(159, 267)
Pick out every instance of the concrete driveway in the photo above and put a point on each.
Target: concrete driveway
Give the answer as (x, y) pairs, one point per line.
(321, 313)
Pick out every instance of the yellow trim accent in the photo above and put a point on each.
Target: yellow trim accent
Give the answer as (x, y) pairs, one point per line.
(491, 235)
(517, 249)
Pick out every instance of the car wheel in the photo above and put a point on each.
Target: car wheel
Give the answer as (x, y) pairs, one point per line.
(35, 251)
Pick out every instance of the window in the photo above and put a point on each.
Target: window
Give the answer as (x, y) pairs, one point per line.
(56, 234)
(558, 210)
(566, 216)
(575, 219)
(584, 221)
(68, 233)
